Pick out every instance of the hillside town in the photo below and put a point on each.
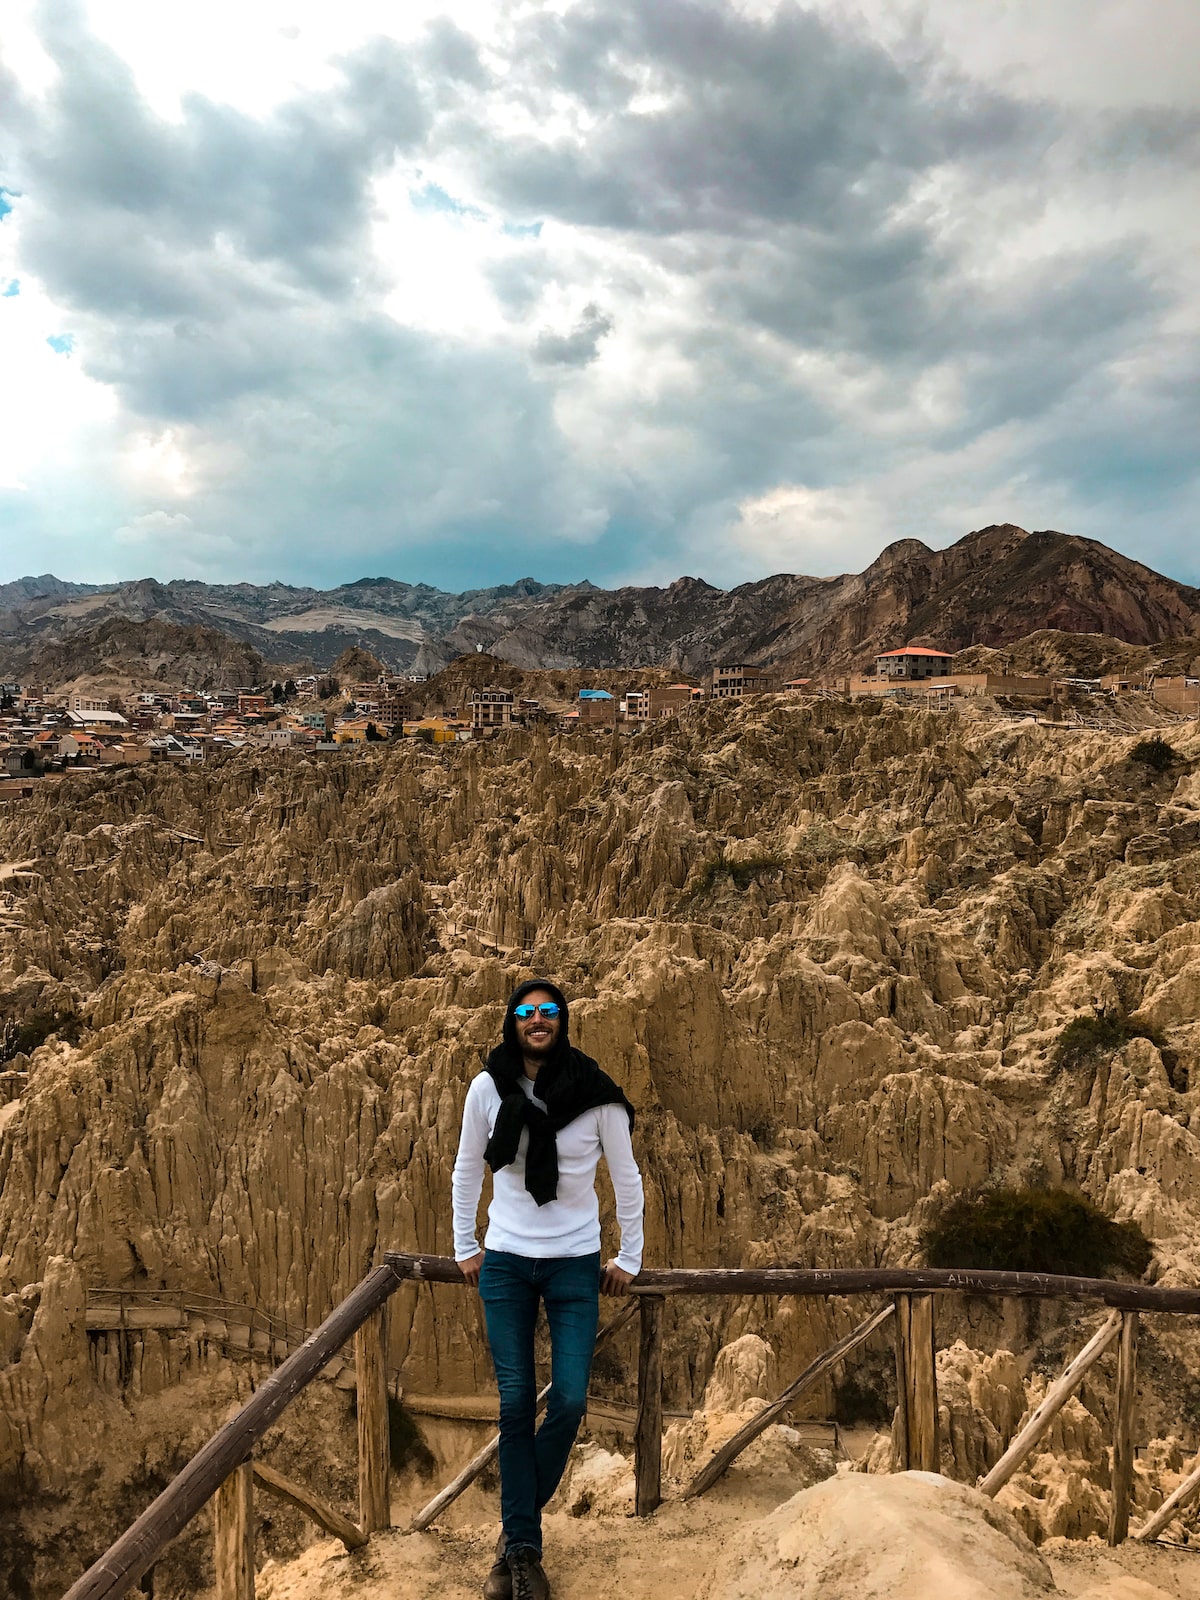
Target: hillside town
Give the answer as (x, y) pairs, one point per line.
(43, 734)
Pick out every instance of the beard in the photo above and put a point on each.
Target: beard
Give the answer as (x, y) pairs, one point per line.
(539, 1048)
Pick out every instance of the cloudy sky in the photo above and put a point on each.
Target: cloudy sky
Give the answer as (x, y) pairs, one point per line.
(616, 289)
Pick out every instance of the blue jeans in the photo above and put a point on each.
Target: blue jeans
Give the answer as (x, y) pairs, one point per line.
(531, 1465)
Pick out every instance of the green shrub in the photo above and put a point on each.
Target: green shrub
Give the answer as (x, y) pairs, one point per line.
(740, 872)
(1155, 753)
(1033, 1230)
(1085, 1038)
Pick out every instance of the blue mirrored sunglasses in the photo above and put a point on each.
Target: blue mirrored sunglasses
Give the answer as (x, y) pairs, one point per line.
(548, 1010)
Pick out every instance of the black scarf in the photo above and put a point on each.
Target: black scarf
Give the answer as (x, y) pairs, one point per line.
(568, 1082)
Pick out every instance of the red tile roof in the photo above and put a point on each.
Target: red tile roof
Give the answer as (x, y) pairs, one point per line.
(915, 650)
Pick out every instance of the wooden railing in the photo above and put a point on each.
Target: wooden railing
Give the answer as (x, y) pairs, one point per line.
(224, 1469)
(239, 1328)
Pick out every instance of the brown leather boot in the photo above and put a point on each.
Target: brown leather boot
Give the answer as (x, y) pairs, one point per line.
(498, 1584)
(529, 1582)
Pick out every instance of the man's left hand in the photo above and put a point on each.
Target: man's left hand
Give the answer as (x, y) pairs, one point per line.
(615, 1280)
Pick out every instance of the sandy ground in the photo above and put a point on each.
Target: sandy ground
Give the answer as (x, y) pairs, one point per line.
(669, 1556)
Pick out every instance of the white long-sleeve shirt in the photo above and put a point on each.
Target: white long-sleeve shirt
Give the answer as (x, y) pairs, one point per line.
(568, 1225)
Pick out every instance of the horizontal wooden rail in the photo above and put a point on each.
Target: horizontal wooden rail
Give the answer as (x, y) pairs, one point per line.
(120, 1567)
(242, 1329)
(859, 1280)
(486, 1408)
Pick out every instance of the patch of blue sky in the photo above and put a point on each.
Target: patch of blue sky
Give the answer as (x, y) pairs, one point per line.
(522, 230)
(11, 288)
(61, 343)
(432, 197)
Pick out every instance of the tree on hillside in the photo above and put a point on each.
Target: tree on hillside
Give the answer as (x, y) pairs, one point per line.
(373, 733)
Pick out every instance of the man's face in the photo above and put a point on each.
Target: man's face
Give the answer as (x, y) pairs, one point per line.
(537, 1035)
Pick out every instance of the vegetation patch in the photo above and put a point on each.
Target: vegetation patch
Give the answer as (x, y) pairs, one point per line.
(741, 872)
(1034, 1230)
(1088, 1037)
(1156, 754)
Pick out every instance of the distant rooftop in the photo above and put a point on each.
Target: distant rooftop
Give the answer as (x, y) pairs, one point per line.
(594, 694)
(112, 719)
(915, 650)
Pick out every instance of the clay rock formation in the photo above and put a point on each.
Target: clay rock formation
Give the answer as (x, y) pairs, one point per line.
(909, 1537)
(743, 1379)
(827, 949)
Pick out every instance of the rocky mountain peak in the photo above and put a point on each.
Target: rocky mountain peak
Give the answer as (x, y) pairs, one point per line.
(993, 587)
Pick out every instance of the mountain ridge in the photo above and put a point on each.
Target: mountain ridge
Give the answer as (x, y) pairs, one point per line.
(989, 589)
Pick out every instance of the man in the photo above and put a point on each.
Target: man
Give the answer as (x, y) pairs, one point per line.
(540, 1116)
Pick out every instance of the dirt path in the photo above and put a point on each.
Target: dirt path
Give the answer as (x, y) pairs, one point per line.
(666, 1557)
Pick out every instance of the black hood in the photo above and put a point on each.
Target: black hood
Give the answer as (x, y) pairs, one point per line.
(561, 1054)
(568, 1084)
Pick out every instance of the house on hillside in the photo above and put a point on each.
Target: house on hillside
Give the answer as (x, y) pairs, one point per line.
(169, 747)
(490, 708)
(279, 738)
(597, 709)
(668, 700)
(98, 721)
(54, 746)
(22, 761)
(735, 680)
(438, 730)
(85, 703)
(912, 662)
(1178, 694)
(124, 754)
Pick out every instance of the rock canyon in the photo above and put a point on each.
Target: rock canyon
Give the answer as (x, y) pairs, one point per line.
(827, 948)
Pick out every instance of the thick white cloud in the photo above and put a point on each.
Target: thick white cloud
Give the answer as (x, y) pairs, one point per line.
(619, 289)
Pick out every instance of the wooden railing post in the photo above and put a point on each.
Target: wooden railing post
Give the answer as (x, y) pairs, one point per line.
(647, 1441)
(915, 1445)
(233, 1535)
(1122, 1465)
(900, 1420)
(374, 1447)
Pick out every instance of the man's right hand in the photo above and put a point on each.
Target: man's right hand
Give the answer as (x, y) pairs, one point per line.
(470, 1269)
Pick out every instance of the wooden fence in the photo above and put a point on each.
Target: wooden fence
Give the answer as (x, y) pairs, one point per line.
(224, 1469)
